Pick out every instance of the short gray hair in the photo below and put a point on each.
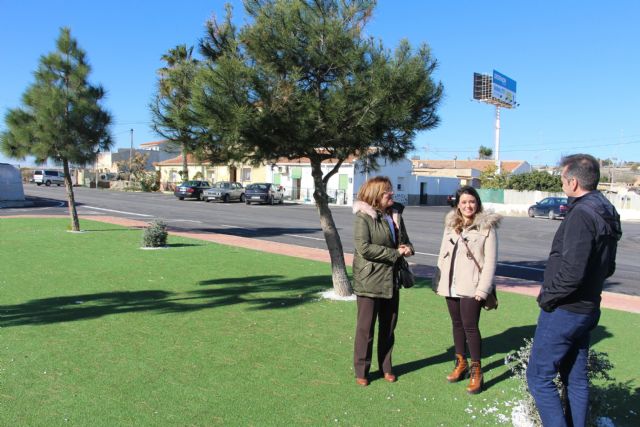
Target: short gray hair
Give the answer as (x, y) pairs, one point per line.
(584, 168)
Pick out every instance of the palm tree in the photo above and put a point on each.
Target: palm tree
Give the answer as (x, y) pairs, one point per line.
(171, 108)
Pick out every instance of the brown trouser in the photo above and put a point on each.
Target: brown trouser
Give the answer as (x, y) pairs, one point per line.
(370, 309)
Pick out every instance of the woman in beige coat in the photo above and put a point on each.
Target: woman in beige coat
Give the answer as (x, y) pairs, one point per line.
(467, 263)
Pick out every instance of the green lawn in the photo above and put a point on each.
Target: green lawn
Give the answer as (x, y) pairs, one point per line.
(95, 331)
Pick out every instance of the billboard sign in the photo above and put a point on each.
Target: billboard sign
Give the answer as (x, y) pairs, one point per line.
(503, 89)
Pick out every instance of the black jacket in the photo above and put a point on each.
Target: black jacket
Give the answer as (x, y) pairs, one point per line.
(583, 255)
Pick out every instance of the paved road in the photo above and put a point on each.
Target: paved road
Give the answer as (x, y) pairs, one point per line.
(523, 249)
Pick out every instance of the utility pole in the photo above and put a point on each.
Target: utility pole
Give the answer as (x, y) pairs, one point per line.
(131, 155)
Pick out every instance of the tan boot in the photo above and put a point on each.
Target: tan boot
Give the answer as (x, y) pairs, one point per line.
(476, 382)
(460, 370)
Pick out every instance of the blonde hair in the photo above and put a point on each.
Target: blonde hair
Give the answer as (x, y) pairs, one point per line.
(371, 191)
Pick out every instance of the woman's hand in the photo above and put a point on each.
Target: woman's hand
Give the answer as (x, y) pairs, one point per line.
(405, 251)
(479, 298)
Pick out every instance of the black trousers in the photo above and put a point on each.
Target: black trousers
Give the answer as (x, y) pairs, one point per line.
(465, 315)
(386, 312)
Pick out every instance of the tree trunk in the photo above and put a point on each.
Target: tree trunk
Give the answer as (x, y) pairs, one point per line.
(185, 166)
(71, 201)
(341, 283)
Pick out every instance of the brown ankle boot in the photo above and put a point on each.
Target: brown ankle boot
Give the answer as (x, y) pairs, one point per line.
(476, 381)
(460, 370)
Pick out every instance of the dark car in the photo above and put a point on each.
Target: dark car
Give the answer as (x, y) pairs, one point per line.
(264, 192)
(551, 207)
(191, 189)
(225, 191)
(451, 199)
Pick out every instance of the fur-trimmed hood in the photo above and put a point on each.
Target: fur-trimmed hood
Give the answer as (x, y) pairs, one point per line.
(360, 206)
(486, 219)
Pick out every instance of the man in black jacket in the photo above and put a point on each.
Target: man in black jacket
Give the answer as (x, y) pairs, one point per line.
(582, 256)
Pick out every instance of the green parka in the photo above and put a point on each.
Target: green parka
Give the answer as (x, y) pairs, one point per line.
(375, 254)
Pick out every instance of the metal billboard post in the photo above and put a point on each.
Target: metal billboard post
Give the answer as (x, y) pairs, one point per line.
(497, 141)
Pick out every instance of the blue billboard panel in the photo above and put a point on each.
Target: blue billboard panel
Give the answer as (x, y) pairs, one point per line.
(503, 89)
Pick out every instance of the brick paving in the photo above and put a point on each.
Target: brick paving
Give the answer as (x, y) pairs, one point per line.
(611, 300)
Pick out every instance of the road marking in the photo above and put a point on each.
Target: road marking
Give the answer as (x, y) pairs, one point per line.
(184, 220)
(520, 266)
(504, 264)
(112, 210)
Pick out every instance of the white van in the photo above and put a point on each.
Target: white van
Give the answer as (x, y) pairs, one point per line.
(48, 177)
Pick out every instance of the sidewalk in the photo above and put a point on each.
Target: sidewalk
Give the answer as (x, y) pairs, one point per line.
(611, 300)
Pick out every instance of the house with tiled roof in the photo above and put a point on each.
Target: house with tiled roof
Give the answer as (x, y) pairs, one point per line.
(467, 171)
(170, 170)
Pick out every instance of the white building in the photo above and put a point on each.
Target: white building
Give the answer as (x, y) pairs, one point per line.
(342, 188)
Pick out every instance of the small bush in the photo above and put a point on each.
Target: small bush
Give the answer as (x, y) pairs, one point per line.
(598, 367)
(149, 181)
(155, 236)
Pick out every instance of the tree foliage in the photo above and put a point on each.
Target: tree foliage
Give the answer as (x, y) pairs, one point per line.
(489, 178)
(61, 118)
(303, 81)
(171, 112)
(484, 152)
(535, 180)
(530, 181)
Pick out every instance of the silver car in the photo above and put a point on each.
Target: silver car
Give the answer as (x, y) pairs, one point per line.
(225, 191)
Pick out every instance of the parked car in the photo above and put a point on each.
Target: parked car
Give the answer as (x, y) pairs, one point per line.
(191, 189)
(264, 192)
(48, 177)
(551, 207)
(225, 191)
(451, 199)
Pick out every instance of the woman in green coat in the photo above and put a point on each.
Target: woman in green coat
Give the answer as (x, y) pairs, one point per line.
(380, 240)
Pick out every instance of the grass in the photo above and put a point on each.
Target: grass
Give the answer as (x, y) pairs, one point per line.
(95, 331)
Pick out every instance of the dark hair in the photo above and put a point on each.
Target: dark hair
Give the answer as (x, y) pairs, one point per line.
(584, 168)
(458, 221)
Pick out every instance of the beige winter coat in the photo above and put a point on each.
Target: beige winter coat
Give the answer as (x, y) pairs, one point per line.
(483, 243)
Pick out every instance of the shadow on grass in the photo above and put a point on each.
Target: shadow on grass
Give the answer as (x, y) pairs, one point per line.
(501, 344)
(182, 245)
(258, 292)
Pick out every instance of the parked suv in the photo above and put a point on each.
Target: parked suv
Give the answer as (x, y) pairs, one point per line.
(48, 177)
(224, 191)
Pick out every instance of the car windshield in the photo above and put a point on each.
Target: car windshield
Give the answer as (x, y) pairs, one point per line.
(190, 183)
(261, 187)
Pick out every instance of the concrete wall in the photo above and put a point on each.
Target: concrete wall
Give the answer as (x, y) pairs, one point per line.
(10, 183)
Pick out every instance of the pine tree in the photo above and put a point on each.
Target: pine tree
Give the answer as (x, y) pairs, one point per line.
(61, 118)
(303, 81)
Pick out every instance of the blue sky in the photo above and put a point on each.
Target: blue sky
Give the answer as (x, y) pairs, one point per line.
(576, 64)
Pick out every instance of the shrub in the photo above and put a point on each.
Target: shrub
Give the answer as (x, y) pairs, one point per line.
(149, 181)
(598, 367)
(155, 236)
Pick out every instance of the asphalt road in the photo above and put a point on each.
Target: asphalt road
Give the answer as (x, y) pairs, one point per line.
(523, 242)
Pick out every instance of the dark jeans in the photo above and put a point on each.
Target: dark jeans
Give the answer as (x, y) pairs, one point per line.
(465, 315)
(561, 344)
(386, 312)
